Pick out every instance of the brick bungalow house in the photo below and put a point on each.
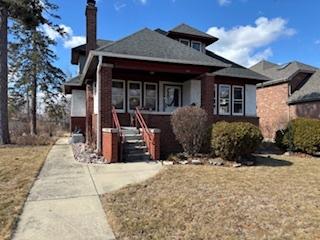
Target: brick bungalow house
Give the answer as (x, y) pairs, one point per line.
(293, 91)
(146, 76)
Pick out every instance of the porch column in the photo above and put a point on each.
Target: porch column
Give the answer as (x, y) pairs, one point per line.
(207, 94)
(89, 112)
(106, 97)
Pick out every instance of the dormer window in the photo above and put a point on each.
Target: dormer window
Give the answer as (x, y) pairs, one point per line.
(185, 42)
(196, 45)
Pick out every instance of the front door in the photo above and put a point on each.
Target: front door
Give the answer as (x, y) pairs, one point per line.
(172, 97)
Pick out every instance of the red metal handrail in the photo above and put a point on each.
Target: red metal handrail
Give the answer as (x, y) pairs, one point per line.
(116, 123)
(143, 124)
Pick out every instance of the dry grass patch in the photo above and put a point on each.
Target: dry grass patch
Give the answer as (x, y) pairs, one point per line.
(279, 199)
(19, 167)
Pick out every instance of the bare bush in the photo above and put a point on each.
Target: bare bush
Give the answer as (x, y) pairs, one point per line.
(34, 140)
(190, 126)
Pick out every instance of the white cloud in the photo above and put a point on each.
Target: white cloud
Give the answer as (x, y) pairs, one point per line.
(224, 2)
(69, 40)
(249, 44)
(118, 6)
(74, 41)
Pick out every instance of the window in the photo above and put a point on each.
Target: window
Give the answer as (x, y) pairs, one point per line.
(215, 100)
(185, 42)
(196, 45)
(134, 95)
(238, 98)
(224, 99)
(118, 93)
(172, 97)
(150, 96)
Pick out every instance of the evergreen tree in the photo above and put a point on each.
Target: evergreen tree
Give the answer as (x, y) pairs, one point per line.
(33, 71)
(30, 13)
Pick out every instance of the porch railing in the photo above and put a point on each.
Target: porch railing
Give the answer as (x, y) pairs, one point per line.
(116, 124)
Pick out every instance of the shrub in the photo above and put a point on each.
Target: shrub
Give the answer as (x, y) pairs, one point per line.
(302, 134)
(189, 126)
(231, 141)
(282, 139)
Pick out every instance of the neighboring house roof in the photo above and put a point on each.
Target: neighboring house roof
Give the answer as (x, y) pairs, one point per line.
(310, 91)
(186, 29)
(154, 46)
(281, 73)
(236, 70)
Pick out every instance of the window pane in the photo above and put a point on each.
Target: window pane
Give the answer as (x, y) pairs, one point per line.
(151, 90)
(224, 92)
(238, 107)
(150, 104)
(196, 46)
(237, 93)
(185, 42)
(134, 89)
(117, 102)
(134, 102)
(118, 95)
(117, 88)
(224, 102)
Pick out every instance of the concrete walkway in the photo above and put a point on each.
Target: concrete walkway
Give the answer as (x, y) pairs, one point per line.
(64, 201)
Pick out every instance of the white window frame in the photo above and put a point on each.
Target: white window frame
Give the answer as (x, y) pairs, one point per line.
(183, 39)
(215, 106)
(229, 86)
(123, 94)
(145, 96)
(192, 42)
(237, 101)
(128, 95)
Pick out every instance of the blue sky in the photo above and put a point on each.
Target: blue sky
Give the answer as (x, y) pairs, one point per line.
(249, 30)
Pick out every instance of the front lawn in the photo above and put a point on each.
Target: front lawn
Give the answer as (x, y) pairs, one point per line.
(19, 167)
(279, 199)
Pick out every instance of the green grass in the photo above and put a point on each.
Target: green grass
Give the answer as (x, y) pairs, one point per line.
(19, 167)
(278, 199)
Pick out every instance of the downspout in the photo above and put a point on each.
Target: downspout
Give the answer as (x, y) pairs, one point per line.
(98, 91)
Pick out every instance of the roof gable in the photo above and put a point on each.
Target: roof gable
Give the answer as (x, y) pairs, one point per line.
(151, 45)
(186, 29)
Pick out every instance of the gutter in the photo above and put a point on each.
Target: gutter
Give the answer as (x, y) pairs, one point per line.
(98, 92)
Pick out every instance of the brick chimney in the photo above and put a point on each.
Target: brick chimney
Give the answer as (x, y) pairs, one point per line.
(91, 19)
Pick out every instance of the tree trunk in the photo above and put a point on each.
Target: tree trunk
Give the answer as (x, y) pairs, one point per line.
(33, 123)
(4, 127)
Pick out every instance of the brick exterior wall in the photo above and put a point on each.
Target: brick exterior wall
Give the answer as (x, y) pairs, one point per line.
(78, 123)
(207, 94)
(272, 108)
(110, 146)
(308, 110)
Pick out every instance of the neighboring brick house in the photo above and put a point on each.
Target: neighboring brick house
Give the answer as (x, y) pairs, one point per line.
(156, 71)
(293, 91)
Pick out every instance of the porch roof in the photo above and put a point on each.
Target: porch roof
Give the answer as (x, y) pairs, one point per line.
(72, 83)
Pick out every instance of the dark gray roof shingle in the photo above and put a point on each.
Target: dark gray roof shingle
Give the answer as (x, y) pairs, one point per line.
(236, 70)
(281, 72)
(151, 45)
(75, 81)
(186, 29)
(310, 91)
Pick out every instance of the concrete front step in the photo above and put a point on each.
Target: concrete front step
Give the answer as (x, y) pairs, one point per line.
(133, 136)
(137, 157)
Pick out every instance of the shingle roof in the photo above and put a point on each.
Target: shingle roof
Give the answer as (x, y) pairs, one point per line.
(151, 45)
(75, 81)
(186, 29)
(310, 91)
(281, 72)
(236, 70)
